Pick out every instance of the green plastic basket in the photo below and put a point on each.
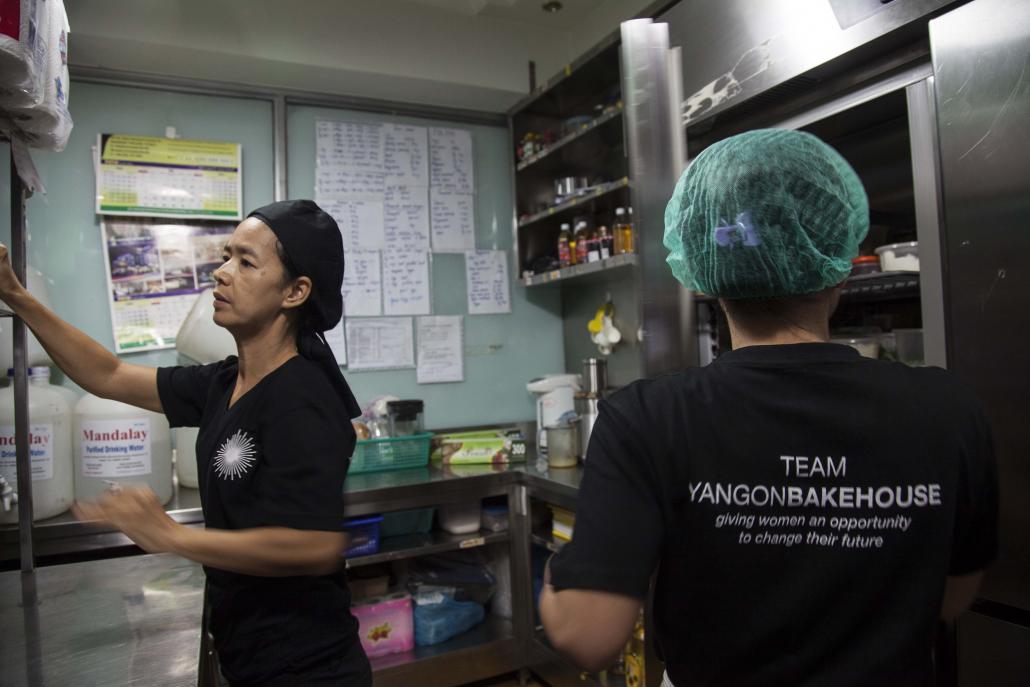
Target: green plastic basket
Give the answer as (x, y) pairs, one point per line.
(380, 455)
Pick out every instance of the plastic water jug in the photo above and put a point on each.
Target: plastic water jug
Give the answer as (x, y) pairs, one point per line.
(199, 338)
(186, 456)
(36, 284)
(50, 454)
(119, 443)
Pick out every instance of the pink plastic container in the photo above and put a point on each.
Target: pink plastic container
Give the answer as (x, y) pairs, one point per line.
(385, 625)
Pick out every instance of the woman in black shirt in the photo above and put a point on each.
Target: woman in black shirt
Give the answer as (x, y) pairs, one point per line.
(273, 449)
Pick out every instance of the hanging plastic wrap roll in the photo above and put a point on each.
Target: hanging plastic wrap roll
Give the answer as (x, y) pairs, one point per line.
(23, 52)
(48, 124)
(42, 117)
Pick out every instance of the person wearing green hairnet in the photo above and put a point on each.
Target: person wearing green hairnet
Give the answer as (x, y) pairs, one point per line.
(807, 516)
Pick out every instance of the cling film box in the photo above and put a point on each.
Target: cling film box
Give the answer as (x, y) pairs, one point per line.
(488, 447)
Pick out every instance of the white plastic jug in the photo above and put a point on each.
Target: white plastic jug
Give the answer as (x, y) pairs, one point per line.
(50, 453)
(39, 376)
(119, 443)
(36, 355)
(186, 456)
(199, 338)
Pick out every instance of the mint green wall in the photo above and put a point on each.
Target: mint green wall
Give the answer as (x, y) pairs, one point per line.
(64, 231)
(502, 352)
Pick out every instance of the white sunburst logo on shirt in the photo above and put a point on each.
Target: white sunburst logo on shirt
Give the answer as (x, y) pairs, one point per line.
(235, 456)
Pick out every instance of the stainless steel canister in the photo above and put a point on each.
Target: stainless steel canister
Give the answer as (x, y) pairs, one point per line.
(595, 375)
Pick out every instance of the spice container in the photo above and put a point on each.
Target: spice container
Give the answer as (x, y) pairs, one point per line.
(405, 418)
(565, 246)
(865, 264)
(582, 237)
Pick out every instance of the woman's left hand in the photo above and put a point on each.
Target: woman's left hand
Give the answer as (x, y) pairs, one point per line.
(137, 513)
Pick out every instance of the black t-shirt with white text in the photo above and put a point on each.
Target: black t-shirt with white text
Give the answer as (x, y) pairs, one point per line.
(276, 458)
(802, 506)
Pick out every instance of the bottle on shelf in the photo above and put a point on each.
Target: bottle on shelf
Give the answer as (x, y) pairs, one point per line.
(604, 237)
(573, 247)
(582, 237)
(565, 245)
(593, 246)
(623, 231)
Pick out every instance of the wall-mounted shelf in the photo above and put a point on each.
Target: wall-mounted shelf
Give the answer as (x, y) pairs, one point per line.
(590, 126)
(597, 192)
(573, 271)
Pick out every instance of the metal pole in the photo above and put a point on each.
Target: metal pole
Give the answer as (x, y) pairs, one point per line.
(21, 379)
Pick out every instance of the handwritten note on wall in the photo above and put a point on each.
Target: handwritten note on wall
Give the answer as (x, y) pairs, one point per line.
(406, 283)
(406, 217)
(451, 162)
(350, 145)
(405, 155)
(452, 221)
(486, 272)
(440, 350)
(361, 222)
(380, 343)
(362, 285)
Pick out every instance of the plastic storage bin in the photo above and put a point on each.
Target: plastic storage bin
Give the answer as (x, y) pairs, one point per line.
(402, 522)
(460, 518)
(385, 625)
(438, 617)
(380, 455)
(364, 536)
(899, 257)
(867, 346)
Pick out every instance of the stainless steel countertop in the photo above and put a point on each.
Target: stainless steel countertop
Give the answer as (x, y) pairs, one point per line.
(367, 493)
(122, 621)
(136, 620)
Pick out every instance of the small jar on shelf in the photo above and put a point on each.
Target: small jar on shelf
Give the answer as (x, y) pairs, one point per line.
(566, 245)
(582, 237)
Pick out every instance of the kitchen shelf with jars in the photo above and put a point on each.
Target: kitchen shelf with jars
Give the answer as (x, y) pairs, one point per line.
(571, 180)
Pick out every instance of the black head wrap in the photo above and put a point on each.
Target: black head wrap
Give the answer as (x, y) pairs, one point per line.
(312, 242)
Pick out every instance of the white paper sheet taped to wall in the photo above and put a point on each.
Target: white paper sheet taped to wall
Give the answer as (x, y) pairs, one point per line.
(406, 217)
(380, 343)
(489, 292)
(406, 288)
(405, 155)
(362, 285)
(452, 223)
(440, 349)
(451, 163)
(361, 222)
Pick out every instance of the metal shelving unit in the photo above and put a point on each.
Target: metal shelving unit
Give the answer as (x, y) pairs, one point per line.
(587, 128)
(485, 651)
(415, 545)
(574, 271)
(579, 201)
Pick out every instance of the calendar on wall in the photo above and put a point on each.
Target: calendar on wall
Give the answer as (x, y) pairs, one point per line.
(146, 176)
(155, 270)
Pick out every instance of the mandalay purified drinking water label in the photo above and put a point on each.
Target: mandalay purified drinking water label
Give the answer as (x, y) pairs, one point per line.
(115, 448)
(41, 453)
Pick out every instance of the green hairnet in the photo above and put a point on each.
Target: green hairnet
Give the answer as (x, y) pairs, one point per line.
(765, 214)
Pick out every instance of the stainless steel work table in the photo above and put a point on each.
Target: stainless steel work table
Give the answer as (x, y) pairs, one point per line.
(136, 620)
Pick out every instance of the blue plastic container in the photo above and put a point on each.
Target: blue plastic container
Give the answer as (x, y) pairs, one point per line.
(364, 535)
